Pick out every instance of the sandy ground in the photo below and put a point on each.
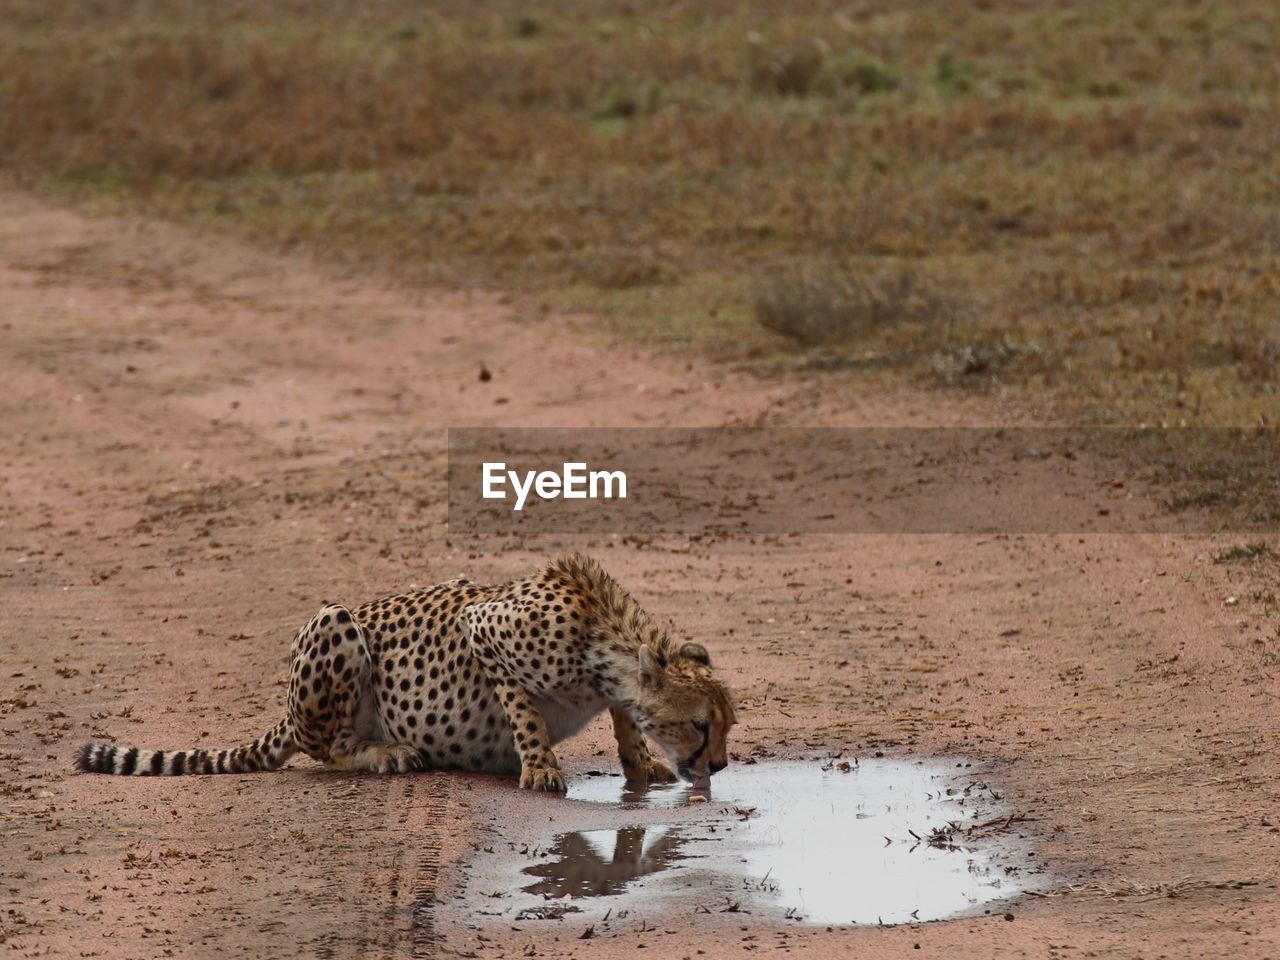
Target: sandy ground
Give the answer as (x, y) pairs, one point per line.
(202, 442)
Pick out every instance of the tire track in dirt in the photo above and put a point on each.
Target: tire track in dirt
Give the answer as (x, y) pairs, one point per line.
(277, 442)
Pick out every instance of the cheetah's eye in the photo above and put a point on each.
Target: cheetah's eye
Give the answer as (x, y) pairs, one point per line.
(701, 726)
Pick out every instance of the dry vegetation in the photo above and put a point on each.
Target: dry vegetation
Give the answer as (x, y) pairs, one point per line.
(1078, 199)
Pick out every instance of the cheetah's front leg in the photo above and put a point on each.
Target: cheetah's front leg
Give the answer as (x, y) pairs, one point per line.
(637, 763)
(491, 629)
(539, 769)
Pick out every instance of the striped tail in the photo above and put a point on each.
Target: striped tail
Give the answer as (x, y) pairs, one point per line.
(268, 752)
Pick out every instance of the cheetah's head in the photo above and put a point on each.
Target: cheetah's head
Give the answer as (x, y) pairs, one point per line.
(685, 709)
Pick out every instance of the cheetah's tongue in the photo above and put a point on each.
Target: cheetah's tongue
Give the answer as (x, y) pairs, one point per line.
(702, 783)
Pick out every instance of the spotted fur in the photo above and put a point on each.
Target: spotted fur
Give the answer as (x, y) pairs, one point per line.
(465, 676)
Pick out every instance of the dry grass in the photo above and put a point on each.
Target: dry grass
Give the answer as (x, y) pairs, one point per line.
(1246, 553)
(1099, 178)
(1127, 889)
(826, 304)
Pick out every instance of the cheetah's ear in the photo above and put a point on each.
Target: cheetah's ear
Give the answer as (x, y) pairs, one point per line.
(651, 669)
(696, 652)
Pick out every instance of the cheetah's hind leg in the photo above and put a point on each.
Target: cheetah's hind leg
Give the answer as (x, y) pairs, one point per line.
(332, 702)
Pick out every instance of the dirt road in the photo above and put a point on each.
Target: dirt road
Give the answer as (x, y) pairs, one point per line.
(202, 442)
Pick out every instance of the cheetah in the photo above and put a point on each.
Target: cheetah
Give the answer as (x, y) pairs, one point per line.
(486, 678)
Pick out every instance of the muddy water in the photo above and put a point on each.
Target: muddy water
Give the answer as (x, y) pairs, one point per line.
(881, 841)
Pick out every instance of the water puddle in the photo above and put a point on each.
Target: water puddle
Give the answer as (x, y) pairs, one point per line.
(881, 841)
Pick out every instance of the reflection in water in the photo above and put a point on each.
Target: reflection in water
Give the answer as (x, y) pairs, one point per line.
(884, 841)
(600, 863)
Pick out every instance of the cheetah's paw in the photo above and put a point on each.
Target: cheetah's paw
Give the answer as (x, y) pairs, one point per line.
(401, 758)
(550, 779)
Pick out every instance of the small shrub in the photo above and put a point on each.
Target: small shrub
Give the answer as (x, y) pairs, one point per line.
(404, 34)
(951, 75)
(1196, 499)
(866, 74)
(1255, 352)
(838, 304)
(1220, 112)
(624, 101)
(624, 268)
(791, 70)
(617, 105)
(1245, 553)
(524, 27)
(1103, 88)
(981, 359)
